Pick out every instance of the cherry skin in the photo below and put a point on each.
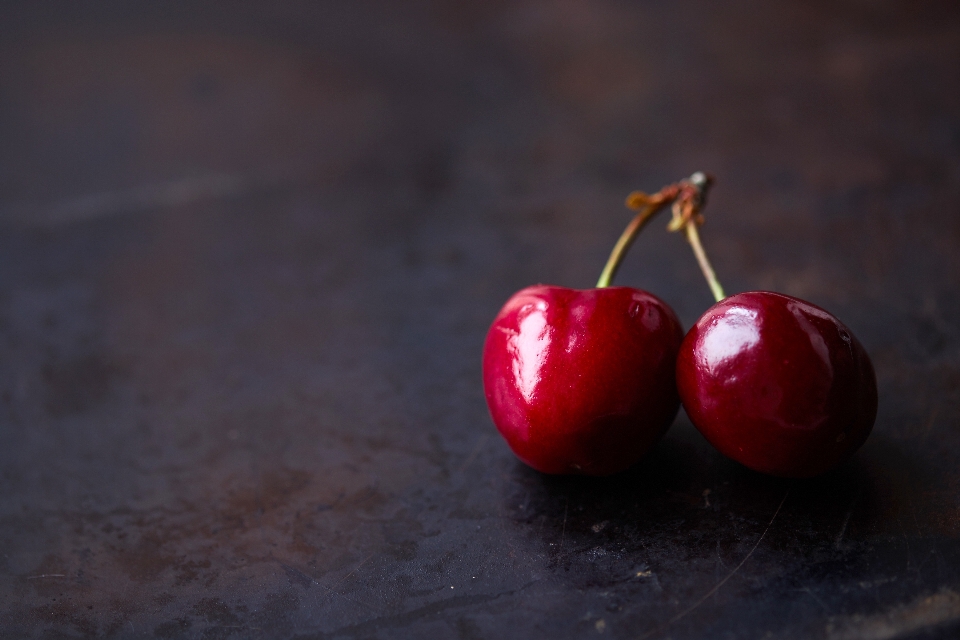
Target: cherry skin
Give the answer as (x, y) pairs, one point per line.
(582, 381)
(778, 384)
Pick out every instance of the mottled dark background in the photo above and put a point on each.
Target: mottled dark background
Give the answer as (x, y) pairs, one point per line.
(249, 253)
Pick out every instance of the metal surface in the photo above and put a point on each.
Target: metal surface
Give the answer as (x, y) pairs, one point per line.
(248, 256)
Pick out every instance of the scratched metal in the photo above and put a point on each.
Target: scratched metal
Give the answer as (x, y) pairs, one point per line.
(249, 253)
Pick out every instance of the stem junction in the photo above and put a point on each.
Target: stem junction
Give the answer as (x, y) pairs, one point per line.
(688, 198)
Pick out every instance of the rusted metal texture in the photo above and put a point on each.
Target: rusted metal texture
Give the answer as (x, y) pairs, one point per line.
(249, 253)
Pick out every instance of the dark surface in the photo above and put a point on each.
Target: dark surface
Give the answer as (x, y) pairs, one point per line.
(248, 257)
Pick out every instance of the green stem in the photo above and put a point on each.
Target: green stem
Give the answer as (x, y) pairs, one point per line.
(693, 237)
(626, 239)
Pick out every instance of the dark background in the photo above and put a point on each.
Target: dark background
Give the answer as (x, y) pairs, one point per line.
(249, 253)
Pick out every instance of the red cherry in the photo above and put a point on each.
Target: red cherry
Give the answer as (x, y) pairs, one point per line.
(777, 384)
(582, 381)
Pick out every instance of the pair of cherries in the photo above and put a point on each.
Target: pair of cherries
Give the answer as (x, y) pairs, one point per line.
(587, 381)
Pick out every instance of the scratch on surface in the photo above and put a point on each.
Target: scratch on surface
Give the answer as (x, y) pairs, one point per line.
(717, 586)
(301, 577)
(720, 566)
(344, 578)
(47, 575)
(810, 593)
(403, 620)
(906, 541)
(843, 529)
(719, 557)
(846, 520)
(563, 529)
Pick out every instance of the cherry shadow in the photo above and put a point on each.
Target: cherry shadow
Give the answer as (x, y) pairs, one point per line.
(685, 503)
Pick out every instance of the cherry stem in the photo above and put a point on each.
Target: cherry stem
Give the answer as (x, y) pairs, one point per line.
(686, 216)
(693, 237)
(649, 206)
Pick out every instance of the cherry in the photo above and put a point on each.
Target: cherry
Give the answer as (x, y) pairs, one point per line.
(583, 381)
(777, 384)
(773, 382)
